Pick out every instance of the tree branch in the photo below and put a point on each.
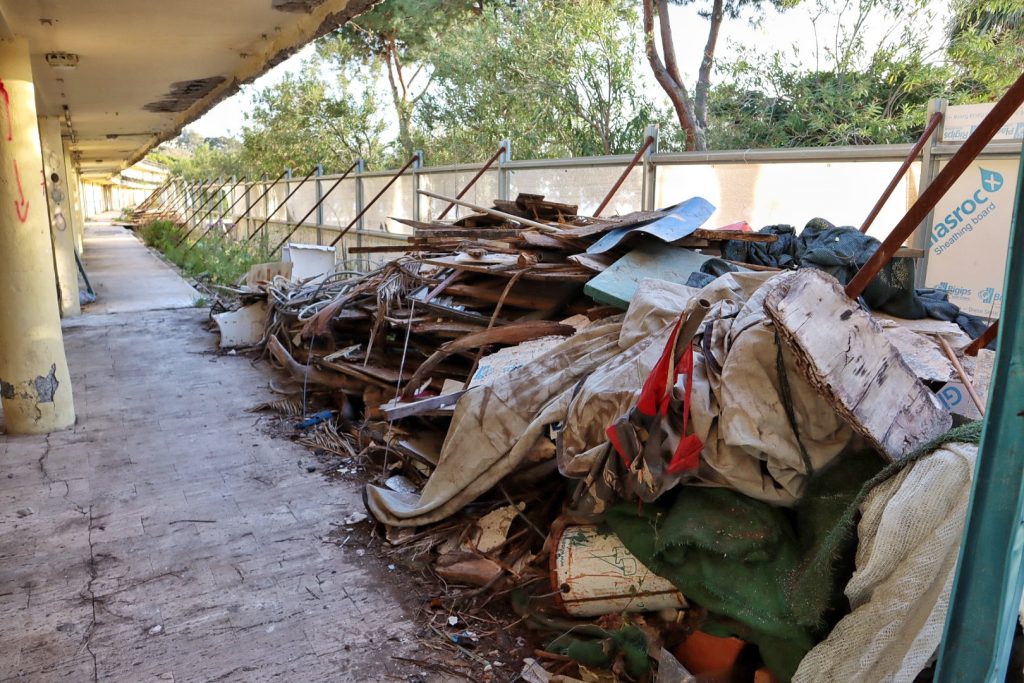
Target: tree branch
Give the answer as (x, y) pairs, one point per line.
(676, 91)
(700, 95)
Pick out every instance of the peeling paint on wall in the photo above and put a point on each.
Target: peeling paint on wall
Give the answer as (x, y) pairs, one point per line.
(46, 387)
(41, 389)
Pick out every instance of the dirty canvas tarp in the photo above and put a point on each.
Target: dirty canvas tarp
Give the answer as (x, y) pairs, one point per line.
(587, 382)
(764, 428)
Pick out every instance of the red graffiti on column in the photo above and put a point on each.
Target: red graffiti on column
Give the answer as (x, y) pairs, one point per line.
(7, 108)
(21, 204)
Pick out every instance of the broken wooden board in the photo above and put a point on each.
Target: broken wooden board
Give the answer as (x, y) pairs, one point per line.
(924, 357)
(617, 283)
(842, 352)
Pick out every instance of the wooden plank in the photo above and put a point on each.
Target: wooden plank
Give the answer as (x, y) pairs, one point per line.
(468, 233)
(842, 352)
(735, 235)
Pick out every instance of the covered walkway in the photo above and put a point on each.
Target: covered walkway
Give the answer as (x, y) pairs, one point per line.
(165, 536)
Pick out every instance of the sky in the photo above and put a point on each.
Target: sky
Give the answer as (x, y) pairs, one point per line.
(776, 30)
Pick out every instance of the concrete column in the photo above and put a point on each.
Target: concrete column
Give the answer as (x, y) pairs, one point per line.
(55, 181)
(75, 196)
(35, 387)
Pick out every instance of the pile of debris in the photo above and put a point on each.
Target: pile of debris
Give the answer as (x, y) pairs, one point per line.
(676, 451)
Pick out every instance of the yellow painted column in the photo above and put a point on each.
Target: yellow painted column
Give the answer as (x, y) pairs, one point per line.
(35, 387)
(55, 181)
(75, 196)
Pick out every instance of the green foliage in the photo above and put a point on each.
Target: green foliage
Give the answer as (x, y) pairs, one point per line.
(559, 78)
(862, 94)
(305, 120)
(216, 259)
(986, 44)
(402, 38)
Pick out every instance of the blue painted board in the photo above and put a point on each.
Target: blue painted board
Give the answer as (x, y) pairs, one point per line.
(617, 284)
(682, 220)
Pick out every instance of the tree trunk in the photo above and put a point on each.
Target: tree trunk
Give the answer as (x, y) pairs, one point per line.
(700, 95)
(401, 104)
(673, 87)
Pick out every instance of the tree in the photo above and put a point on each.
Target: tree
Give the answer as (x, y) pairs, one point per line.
(558, 77)
(986, 43)
(304, 120)
(692, 113)
(399, 36)
(858, 92)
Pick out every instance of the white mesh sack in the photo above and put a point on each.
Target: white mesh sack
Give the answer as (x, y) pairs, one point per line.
(908, 542)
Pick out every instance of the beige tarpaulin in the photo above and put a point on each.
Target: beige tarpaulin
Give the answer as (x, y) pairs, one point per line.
(592, 378)
(908, 543)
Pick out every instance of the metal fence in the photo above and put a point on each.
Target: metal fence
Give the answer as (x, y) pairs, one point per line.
(762, 187)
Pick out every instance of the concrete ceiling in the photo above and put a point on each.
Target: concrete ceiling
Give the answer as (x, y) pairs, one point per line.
(146, 68)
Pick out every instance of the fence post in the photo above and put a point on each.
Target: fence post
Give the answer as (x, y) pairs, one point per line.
(650, 174)
(929, 167)
(504, 181)
(318, 194)
(360, 169)
(416, 167)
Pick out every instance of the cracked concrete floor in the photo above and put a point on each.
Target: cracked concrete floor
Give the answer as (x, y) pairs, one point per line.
(166, 538)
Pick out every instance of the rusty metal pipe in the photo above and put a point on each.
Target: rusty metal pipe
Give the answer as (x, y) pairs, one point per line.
(472, 182)
(283, 203)
(179, 202)
(951, 355)
(933, 123)
(625, 174)
(219, 218)
(968, 151)
(982, 341)
(217, 201)
(315, 206)
(209, 198)
(412, 160)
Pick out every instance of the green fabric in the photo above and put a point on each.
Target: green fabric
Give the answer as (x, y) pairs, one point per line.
(628, 642)
(764, 575)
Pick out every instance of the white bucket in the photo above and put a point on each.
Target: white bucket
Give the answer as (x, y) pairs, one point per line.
(595, 574)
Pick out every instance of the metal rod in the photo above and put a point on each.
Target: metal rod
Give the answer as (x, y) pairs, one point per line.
(161, 207)
(396, 176)
(214, 196)
(472, 182)
(982, 341)
(622, 178)
(179, 204)
(219, 218)
(284, 202)
(951, 355)
(209, 198)
(262, 195)
(148, 201)
(494, 212)
(316, 206)
(214, 208)
(972, 146)
(933, 123)
(629, 168)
